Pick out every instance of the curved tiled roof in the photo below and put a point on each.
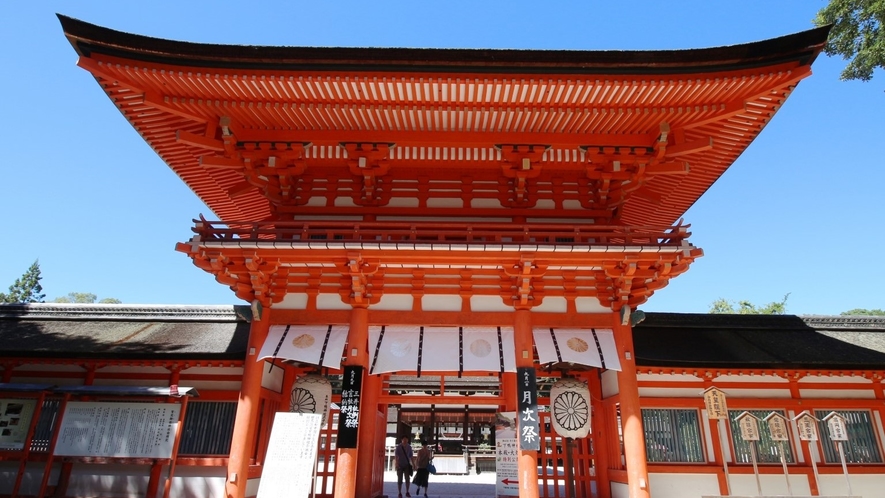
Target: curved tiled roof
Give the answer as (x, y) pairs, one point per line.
(447, 111)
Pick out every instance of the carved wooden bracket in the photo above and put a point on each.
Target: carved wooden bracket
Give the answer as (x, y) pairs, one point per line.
(358, 290)
(368, 161)
(521, 162)
(527, 276)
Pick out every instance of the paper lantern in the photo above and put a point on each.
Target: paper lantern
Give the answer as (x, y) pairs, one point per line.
(570, 408)
(311, 394)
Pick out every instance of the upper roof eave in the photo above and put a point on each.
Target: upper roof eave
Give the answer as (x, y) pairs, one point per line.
(88, 38)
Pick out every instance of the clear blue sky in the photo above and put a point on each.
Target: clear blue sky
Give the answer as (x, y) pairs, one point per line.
(800, 212)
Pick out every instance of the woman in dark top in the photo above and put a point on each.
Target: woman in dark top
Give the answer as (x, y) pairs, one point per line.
(422, 460)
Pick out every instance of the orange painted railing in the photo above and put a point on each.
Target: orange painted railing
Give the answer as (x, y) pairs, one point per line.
(440, 232)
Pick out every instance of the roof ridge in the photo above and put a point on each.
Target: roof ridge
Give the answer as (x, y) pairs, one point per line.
(166, 312)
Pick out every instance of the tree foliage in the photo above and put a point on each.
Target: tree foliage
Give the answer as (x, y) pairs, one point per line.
(27, 288)
(857, 35)
(724, 306)
(84, 298)
(864, 312)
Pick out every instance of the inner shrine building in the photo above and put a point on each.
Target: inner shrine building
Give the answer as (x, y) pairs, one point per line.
(487, 220)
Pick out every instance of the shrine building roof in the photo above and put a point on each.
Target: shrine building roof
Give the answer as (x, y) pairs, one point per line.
(665, 340)
(664, 123)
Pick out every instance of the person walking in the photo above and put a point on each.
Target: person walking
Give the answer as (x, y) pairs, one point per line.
(422, 473)
(402, 456)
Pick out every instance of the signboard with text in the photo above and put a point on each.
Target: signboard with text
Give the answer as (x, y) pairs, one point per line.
(122, 430)
(349, 417)
(836, 425)
(289, 465)
(714, 401)
(506, 467)
(529, 427)
(777, 427)
(807, 426)
(749, 427)
(15, 419)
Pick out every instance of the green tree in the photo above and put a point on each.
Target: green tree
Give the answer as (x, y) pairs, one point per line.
(84, 298)
(27, 288)
(857, 35)
(723, 306)
(862, 311)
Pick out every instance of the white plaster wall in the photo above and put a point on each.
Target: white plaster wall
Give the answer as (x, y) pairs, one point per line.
(109, 480)
(590, 305)
(849, 379)
(609, 381)
(552, 304)
(837, 393)
(444, 203)
(133, 382)
(394, 302)
(682, 485)
(750, 378)
(669, 378)
(50, 368)
(330, 301)
(865, 485)
(292, 302)
(198, 482)
(620, 490)
(446, 302)
(489, 303)
(755, 393)
(772, 484)
(118, 481)
(31, 481)
(670, 392)
(407, 202)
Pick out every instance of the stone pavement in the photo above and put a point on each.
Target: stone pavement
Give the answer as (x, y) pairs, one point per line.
(448, 486)
(453, 486)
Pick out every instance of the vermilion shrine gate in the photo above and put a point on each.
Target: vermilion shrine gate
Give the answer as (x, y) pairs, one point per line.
(398, 189)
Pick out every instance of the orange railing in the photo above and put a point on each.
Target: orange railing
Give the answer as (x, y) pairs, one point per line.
(437, 232)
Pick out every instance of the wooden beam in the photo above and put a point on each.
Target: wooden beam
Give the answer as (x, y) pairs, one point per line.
(682, 149)
(199, 141)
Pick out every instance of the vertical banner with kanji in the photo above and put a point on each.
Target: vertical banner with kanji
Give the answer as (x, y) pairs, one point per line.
(348, 419)
(527, 416)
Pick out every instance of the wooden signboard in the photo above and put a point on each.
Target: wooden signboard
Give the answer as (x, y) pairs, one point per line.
(749, 427)
(777, 427)
(714, 400)
(807, 426)
(836, 425)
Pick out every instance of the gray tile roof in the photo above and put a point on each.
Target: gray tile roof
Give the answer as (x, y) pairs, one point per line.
(760, 341)
(123, 331)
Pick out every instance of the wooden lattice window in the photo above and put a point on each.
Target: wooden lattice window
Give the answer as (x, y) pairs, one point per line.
(672, 435)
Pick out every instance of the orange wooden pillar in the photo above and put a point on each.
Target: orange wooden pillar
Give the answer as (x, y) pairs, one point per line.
(357, 354)
(631, 414)
(368, 464)
(527, 463)
(246, 421)
(601, 433)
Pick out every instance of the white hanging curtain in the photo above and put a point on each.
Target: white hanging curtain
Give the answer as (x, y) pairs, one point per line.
(591, 347)
(396, 348)
(321, 345)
